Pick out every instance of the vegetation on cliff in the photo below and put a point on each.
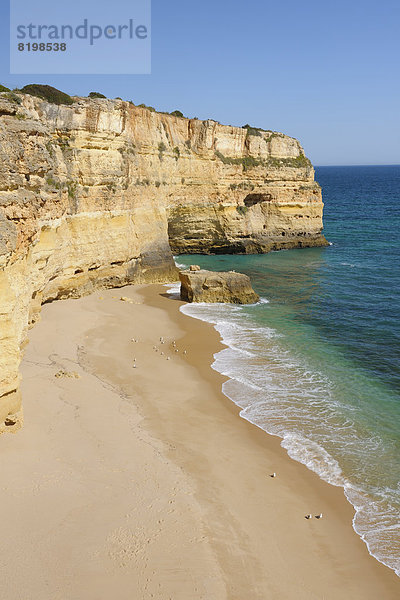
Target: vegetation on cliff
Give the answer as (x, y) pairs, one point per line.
(13, 97)
(96, 95)
(47, 92)
(253, 130)
(250, 162)
(55, 96)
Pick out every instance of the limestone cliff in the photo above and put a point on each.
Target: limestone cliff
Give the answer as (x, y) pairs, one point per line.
(98, 193)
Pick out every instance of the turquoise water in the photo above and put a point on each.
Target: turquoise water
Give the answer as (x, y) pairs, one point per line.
(317, 361)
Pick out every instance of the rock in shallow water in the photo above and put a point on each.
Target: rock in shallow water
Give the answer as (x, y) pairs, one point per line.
(211, 286)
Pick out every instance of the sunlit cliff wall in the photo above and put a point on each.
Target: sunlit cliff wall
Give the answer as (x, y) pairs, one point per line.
(96, 194)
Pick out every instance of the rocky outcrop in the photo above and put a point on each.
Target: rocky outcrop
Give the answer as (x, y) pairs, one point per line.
(210, 286)
(96, 194)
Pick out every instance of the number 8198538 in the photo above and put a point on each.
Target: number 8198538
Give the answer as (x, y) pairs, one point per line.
(42, 47)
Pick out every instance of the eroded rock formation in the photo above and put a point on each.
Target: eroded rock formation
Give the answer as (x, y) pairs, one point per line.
(97, 193)
(212, 286)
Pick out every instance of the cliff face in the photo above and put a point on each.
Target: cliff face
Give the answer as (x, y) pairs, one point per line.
(98, 193)
(243, 193)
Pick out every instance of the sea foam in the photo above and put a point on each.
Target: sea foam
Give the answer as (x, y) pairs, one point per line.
(280, 393)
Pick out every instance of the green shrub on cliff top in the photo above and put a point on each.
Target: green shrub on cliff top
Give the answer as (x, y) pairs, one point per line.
(97, 95)
(252, 130)
(150, 108)
(13, 98)
(4, 89)
(48, 93)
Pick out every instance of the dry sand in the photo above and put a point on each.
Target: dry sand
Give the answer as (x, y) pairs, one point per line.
(139, 483)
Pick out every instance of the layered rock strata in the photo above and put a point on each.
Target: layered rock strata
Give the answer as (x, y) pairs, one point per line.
(96, 194)
(211, 286)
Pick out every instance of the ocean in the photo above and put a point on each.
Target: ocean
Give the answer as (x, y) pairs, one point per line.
(317, 360)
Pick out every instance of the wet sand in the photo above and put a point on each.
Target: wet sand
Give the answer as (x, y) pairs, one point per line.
(145, 483)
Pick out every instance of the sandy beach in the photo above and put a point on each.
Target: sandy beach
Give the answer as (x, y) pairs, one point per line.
(137, 479)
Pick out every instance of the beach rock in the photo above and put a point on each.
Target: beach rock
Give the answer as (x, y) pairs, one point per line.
(97, 193)
(70, 374)
(194, 268)
(12, 423)
(211, 286)
(7, 107)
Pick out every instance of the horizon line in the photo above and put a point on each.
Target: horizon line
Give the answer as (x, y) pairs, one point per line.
(361, 165)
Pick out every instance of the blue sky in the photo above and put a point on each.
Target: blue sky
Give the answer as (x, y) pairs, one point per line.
(324, 72)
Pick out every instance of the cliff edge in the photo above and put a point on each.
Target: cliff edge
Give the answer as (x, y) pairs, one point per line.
(98, 193)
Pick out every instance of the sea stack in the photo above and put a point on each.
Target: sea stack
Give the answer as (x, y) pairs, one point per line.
(210, 286)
